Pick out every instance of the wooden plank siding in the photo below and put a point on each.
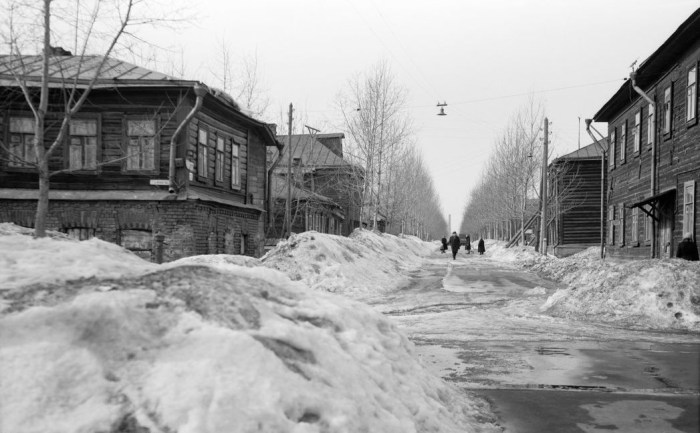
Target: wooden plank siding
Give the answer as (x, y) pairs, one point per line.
(677, 158)
(575, 196)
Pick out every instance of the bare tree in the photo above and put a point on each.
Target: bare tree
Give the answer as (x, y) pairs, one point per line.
(96, 24)
(373, 109)
(241, 78)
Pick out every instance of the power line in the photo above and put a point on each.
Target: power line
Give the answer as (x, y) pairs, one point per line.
(494, 98)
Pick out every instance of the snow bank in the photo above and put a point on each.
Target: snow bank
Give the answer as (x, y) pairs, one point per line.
(656, 294)
(192, 348)
(360, 266)
(25, 260)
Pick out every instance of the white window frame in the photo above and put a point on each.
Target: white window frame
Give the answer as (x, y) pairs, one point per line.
(691, 101)
(621, 225)
(623, 141)
(235, 166)
(611, 151)
(635, 226)
(689, 208)
(83, 144)
(648, 228)
(637, 131)
(220, 166)
(668, 104)
(651, 122)
(141, 144)
(21, 143)
(202, 152)
(611, 224)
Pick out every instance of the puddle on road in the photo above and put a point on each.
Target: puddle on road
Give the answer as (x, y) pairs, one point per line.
(587, 365)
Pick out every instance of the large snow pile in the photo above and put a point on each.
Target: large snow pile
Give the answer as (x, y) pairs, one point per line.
(192, 348)
(657, 294)
(363, 265)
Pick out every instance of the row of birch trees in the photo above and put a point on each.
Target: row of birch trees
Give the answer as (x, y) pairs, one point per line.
(508, 193)
(396, 186)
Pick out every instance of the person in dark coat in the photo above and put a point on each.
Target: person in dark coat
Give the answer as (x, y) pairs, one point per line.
(444, 244)
(468, 244)
(687, 249)
(482, 248)
(454, 244)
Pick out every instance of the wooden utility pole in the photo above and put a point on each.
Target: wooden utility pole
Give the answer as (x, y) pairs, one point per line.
(543, 216)
(288, 207)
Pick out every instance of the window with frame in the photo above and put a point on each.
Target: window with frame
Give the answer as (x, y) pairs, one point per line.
(637, 131)
(623, 141)
(621, 225)
(635, 226)
(82, 148)
(202, 152)
(611, 151)
(141, 144)
(611, 225)
(80, 233)
(235, 166)
(21, 145)
(220, 159)
(667, 110)
(648, 228)
(689, 207)
(691, 95)
(651, 119)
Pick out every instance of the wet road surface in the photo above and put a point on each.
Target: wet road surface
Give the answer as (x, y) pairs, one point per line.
(476, 322)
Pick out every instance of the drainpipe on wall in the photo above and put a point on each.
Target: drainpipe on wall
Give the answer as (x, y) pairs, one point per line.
(602, 185)
(652, 186)
(200, 91)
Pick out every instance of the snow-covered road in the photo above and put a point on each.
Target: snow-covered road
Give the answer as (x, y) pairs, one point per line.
(477, 322)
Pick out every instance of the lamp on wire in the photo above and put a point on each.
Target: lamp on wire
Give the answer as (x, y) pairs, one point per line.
(442, 108)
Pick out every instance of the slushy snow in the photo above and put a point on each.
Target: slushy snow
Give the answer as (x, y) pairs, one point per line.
(94, 339)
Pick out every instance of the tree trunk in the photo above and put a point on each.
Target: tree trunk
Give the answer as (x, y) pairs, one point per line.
(42, 208)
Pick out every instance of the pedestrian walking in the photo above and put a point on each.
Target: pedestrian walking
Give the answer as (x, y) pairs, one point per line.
(454, 244)
(687, 249)
(481, 247)
(443, 248)
(468, 244)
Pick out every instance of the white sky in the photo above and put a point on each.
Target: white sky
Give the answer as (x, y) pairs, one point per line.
(482, 57)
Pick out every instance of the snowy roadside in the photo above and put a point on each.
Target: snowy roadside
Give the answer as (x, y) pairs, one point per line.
(92, 338)
(661, 294)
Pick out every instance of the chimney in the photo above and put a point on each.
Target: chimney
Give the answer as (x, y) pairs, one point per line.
(59, 51)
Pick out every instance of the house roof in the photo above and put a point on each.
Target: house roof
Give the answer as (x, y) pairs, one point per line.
(592, 151)
(79, 71)
(278, 189)
(653, 68)
(312, 152)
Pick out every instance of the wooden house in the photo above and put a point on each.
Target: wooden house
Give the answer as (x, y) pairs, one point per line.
(654, 156)
(131, 170)
(328, 181)
(575, 201)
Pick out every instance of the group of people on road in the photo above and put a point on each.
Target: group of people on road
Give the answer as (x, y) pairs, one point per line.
(454, 242)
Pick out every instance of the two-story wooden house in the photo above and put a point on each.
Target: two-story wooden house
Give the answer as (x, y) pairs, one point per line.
(156, 164)
(654, 155)
(331, 183)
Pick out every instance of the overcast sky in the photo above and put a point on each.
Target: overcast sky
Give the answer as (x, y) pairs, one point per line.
(481, 57)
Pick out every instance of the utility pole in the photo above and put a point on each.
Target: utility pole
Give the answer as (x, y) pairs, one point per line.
(288, 207)
(543, 216)
(449, 223)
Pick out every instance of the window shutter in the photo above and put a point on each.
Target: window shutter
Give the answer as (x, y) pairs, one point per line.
(75, 155)
(90, 153)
